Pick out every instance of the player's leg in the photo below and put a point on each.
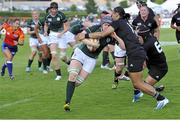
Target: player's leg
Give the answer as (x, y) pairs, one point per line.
(105, 58)
(55, 60)
(119, 62)
(155, 74)
(135, 67)
(9, 56)
(33, 43)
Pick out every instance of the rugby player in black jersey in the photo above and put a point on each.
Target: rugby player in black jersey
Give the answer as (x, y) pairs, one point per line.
(175, 24)
(135, 53)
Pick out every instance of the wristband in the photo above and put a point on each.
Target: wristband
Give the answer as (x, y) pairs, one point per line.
(87, 35)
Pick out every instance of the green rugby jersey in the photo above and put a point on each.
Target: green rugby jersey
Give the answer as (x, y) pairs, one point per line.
(103, 42)
(55, 23)
(76, 27)
(31, 24)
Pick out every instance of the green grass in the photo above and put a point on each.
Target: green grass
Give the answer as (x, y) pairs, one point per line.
(167, 35)
(38, 96)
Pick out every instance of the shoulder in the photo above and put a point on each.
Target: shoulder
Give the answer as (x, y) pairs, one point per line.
(61, 13)
(29, 21)
(6, 25)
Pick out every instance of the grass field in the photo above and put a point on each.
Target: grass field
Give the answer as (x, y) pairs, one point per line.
(37, 96)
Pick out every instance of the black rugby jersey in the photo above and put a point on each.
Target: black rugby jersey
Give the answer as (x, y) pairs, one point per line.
(150, 23)
(127, 34)
(154, 51)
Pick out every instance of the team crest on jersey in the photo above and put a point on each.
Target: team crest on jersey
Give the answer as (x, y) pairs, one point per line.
(15, 35)
(32, 26)
(138, 24)
(50, 19)
(108, 40)
(149, 24)
(58, 19)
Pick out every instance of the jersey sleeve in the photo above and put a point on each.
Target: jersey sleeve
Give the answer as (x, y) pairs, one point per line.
(151, 12)
(5, 25)
(92, 29)
(115, 25)
(154, 24)
(21, 36)
(173, 20)
(28, 24)
(64, 18)
(134, 24)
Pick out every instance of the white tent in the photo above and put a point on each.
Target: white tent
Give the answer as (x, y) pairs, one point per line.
(170, 5)
(151, 4)
(133, 10)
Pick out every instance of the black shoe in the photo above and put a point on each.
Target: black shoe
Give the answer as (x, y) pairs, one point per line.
(67, 107)
(11, 77)
(2, 73)
(160, 88)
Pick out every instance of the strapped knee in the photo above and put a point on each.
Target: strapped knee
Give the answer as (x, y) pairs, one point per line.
(72, 70)
(62, 55)
(53, 52)
(79, 81)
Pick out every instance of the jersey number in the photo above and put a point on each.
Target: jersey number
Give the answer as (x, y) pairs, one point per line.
(158, 47)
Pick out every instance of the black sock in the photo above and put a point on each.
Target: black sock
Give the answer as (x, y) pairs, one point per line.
(158, 96)
(58, 72)
(116, 75)
(44, 64)
(105, 58)
(136, 91)
(29, 63)
(69, 91)
(68, 62)
(126, 73)
(48, 61)
(39, 63)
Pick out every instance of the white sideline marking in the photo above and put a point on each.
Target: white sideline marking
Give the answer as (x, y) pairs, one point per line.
(16, 102)
(168, 43)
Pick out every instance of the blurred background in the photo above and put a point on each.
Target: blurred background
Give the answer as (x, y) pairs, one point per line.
(82, 8)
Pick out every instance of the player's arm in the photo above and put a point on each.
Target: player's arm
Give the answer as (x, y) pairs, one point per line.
(90, 43)
(157, 30)
(95, 35)
(36, 29)
(173, 25)
(21, 39)
(120, 41)
(65, 25)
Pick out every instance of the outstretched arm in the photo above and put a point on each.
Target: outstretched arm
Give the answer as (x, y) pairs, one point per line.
(94, 35)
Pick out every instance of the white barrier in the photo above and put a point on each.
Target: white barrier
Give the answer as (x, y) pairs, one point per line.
(165, 23)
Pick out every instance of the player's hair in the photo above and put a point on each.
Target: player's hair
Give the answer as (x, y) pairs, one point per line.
(54, 5)
(121, 12)
(16, 19)
(47, 10)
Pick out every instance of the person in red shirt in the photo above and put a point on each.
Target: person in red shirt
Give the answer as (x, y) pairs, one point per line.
(14, 36)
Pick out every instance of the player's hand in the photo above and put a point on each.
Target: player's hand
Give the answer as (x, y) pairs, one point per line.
(15, 42)
(40, 40)
(80, 36)
(178, 28)
(113, 35)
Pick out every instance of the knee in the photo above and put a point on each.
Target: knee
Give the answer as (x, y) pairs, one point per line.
(54, 54)
(79, 81)
(63, 55)
(137, 85)
(73, 73)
